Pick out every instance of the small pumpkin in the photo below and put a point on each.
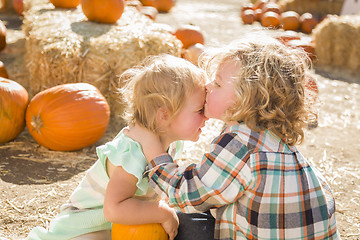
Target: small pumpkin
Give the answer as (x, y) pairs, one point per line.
(259, 4)
(65, 3)
(189, 35)
(193, 53)
(247, 6)
(3, 33)
(3, 72)
(271, 6)
(152, 231)
(101, 11)
(290, 20)
(2, 5)
(149, 11)
(68, 117)
(160, 5)
(257, 14)
(305, 44)
(248, 16)
(270, 19)
(310, 84)
(13, 101)
(164, 5)
(18, 6)
(286, 36)
(308, 22)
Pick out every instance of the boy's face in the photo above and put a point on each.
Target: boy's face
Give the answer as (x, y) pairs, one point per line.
(221, 91)
(188, 122)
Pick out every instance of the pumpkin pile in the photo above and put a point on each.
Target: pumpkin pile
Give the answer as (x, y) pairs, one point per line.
(270, 15)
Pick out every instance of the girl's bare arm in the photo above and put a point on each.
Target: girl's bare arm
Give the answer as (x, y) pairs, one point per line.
(121, 207)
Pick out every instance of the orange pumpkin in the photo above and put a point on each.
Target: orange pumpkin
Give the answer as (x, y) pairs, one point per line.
(3, 33)
(3, 72)
(308, 22)
(151, 3)
(164, 5)
(271, 6)
(153, 231)
(305, 44)
(248, 16)
(189, 35)
(13, 101)
(290, 20)
(310, 84)
(286, 36)
(259, 4)
(101, 11)
(160, 5)
(149, 11)
(68, 117)
(65, 3)
(257, 14)
(18, 6)
(193, 53)
(247, 6)
(2, 5)
(270, 19)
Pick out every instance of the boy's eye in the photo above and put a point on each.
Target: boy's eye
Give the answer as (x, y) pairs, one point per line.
(201, 111)
(216, 84)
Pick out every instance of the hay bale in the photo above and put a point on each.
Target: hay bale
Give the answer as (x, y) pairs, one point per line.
(337, 46)
(320, 8)
(63, 47)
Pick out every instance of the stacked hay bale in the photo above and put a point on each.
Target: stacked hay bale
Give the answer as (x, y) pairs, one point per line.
(337, 46)
(319, 7)
(63, 47)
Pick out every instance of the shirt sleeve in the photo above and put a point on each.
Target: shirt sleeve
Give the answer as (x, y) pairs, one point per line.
(123, 151)
(219, 179)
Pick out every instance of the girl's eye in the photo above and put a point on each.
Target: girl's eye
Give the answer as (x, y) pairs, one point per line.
(216, 84)
(201, 111)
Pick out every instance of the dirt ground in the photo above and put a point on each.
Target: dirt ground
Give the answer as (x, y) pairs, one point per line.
(35, 181)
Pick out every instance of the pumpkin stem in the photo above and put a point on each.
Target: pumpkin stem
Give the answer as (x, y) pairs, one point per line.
(37, 123)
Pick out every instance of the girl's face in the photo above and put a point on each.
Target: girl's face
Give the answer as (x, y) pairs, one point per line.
(221, 91)
(188, 122)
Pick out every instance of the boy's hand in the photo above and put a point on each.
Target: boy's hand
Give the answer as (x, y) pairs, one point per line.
(171, 223)
(149, 141)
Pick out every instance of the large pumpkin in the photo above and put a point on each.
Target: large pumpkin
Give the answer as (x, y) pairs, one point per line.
(152, 231)
(108, 11)
(13, 101)
(68, 117)
(3, 71)
(65, 3)
(3, 33)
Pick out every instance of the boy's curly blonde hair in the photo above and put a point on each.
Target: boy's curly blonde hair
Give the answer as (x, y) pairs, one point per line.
(269, 86)
(160, 81)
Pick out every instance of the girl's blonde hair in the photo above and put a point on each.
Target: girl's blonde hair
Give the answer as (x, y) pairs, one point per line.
(269, 86)
(160, 81)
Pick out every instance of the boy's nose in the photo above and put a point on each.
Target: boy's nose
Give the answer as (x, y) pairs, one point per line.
(207, 87)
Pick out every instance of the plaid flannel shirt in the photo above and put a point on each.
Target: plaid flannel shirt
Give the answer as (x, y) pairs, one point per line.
(259, 187)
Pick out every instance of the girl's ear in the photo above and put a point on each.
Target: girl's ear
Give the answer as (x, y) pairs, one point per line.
(162, 116)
